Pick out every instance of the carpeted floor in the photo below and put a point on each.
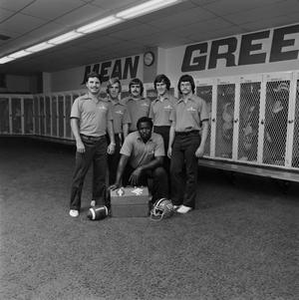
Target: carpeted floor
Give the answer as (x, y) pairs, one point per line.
(242, 247)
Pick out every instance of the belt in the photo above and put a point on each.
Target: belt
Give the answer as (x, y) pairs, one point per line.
(92, 138)
(185, 133)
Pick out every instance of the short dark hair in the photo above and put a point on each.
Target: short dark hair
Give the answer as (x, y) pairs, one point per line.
(186, 78)
(136, 81)
(144, 120)
(111, 82)
(162, 78)
(94, 74)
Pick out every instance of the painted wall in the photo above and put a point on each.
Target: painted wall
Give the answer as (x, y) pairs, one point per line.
(270, 50)
(73, 79)
(19, 84)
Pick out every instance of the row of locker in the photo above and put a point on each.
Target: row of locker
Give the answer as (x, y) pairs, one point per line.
(254, 119)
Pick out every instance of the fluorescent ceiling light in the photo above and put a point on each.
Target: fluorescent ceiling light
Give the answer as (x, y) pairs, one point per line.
(19, 54)
(145, 8)
(103, 23)
(39, 47)
(136, 11)
(65, 37)
(6, 59)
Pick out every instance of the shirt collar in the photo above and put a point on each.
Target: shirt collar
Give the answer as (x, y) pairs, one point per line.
(190, 98)
(87, 97)
(115, 103)
(133, 99)
(141, 140)
(166, 97)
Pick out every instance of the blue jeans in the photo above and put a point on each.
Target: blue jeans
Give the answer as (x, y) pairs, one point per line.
(156, 180)
(96, 153)
(184, 168)
(113, 159)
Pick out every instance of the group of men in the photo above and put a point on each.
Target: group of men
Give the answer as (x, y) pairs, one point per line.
(139, 141)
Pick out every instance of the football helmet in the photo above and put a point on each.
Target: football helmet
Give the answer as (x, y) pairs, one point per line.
(163, 208)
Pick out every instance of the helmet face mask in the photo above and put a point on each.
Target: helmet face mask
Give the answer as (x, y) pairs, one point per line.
(163, 208)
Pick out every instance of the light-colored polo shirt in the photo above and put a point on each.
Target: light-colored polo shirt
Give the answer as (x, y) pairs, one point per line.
(141, 153)
(160, 110)
(137, 109)
(120, 116)
(188, 116)
(93, 116)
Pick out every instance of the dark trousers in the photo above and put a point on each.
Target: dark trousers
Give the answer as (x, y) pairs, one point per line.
(164, 131)
(156, 180)
(96, 154)
(114, 158)
(183, 160)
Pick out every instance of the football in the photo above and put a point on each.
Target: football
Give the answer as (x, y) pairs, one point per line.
(97, 213)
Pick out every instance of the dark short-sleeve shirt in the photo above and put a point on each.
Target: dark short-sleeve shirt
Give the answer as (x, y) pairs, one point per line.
(141, 153)
(137, 109)
(160, 111)
(188, 116)
(93, 116)
(120, 116)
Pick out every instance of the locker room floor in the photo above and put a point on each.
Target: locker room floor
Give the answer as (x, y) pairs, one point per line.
(241, 247)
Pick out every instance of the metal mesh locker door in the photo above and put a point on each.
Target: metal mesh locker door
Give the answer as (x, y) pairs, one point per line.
(4, 115)
(68, 106)
(48, 115)
(276, 120)
(36, 116)
(75, 96)
(42, 115)
(224, 120)
(61, 116)
(54, 116)
(205, 92)
(249, 121)
(16, 112)
(28, 115)
(295, 156)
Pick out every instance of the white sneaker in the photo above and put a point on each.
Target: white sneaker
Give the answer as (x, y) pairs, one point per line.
(184, 209)
(74, 213)
(93, 203)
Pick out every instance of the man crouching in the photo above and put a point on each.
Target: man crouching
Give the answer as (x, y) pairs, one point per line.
(144, 150)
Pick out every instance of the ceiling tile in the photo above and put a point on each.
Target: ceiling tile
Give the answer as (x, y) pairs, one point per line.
(202, 27)
(174, 11)
(116, 4)
(183, 19)
(224, 7)
(47, 31)
(21, 23)
(132, 33)
(48, 10)
(100, 42)
(267, 12)
(81, 16)
(273, 22)
(203, 2)
(4, 14)
(14, 5)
